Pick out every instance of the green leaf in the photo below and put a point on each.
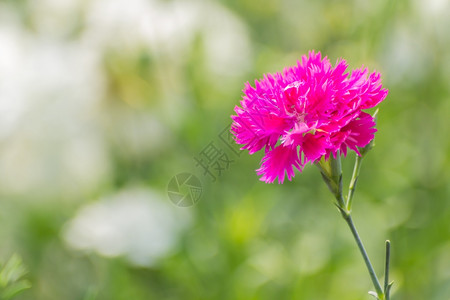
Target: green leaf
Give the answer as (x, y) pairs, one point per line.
(11, 274)
(14, 289)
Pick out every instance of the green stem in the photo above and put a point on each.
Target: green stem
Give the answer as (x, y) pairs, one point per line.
(331, 171)
(373, 276)
(353, 181)
(387, 285)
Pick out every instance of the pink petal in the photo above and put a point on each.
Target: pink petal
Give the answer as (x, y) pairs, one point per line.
(278, 162)
(312, 108)
(314, 146)
(360, 132)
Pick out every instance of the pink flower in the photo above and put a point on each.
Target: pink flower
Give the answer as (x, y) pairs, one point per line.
(310, 110)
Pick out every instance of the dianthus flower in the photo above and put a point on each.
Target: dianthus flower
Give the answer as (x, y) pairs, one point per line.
(311, 110)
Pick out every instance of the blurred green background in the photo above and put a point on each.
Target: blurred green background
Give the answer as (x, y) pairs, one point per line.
(102, 102)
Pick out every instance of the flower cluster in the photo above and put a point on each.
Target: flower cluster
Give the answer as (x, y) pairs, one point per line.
(309, 111)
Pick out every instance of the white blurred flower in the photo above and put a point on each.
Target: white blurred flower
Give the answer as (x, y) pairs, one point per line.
(54, 125)
(49, 98)
(169, 28)
(135, 223)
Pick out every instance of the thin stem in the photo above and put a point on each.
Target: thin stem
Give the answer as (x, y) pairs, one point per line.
(387, 285)
(332, 174)
(353, 181)
(373, 276)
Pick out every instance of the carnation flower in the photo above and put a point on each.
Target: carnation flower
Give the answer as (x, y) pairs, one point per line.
(311, 110)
